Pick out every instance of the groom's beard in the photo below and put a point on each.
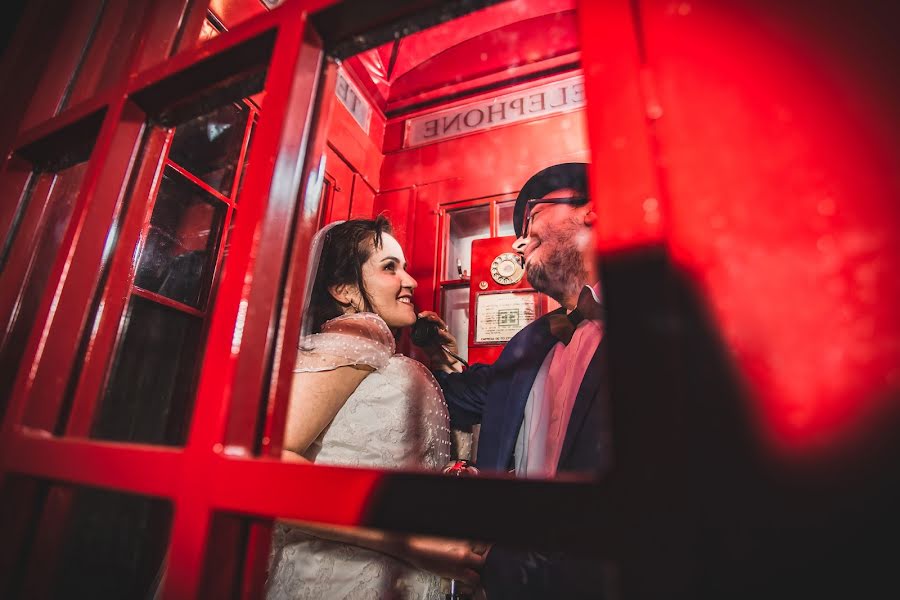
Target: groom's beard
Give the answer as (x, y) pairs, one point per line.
(561, 274)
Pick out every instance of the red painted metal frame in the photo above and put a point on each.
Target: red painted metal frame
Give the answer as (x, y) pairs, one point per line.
(251, 319)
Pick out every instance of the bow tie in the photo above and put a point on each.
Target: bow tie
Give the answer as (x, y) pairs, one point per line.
(563, 326)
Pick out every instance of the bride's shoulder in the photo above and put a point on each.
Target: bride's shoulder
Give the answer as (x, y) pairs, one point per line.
(357, 339)
(365, 325)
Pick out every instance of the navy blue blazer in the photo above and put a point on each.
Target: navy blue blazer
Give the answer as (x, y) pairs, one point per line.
(495, 396)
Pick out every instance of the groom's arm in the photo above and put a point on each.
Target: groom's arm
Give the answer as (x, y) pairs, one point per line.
(465, 393)
(510, 573)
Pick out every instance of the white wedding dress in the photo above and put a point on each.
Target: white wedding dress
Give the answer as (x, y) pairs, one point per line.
(396, 419)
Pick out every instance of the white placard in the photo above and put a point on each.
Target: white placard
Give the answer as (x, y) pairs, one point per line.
(352, 100)
(547, 99)
(500, 316)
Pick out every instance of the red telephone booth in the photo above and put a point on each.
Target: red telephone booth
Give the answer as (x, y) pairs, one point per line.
(166, 165)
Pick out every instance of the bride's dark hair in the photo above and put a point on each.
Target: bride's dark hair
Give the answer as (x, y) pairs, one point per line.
(345, 249)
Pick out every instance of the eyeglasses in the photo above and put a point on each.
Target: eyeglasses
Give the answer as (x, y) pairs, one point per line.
(530, 204)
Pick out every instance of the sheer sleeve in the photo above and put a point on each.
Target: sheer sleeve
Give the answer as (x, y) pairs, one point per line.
(356, 339)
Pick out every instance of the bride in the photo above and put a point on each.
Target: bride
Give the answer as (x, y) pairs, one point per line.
(355, 402)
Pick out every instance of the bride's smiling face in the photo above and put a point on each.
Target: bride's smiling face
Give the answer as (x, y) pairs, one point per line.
(388, 284)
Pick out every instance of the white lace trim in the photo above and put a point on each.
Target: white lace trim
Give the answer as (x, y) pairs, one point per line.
(354, 339)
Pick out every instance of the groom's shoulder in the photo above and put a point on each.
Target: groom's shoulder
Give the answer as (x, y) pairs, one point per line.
(525, 334)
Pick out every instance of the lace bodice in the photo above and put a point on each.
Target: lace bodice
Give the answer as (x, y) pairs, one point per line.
(396, 418)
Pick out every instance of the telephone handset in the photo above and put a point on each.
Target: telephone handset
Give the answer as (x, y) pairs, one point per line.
(425, 333)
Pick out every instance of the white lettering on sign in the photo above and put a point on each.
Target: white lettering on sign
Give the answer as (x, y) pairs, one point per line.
(352, 101)
(524, 105)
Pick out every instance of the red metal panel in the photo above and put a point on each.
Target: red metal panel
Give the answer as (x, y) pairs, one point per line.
(112, 45)
(623, 173)
(398, 206)
(67, 55)
(778, 129)
(342, 175)
(488, 163)
(161, 30)
(363, 199)
(480, 42)
(491, 53)
(362, 152)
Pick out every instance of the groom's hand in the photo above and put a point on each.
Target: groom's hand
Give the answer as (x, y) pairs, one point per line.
(440, 360)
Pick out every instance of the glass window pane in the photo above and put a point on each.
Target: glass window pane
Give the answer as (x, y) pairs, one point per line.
(465, 225)
(64, 187)
(179, 256)
(209, 146)
(113, 545)
(150, 393)
(455, 312)
(505, 218)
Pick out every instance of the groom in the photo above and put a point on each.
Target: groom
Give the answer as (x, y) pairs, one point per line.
(542, 404)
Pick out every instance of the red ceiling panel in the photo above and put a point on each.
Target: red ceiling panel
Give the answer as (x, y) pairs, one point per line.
(486, 42)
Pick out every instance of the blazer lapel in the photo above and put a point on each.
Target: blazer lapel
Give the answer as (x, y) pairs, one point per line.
(590, 386)
(521, 360)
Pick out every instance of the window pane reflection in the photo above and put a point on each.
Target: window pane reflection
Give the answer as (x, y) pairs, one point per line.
(465, 225)
(505, 218)
(149, 394)
(179, 255)
(210, 145)
(455, 312)
(113, 545)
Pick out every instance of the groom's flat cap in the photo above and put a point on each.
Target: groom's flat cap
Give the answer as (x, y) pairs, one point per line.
(564, 175)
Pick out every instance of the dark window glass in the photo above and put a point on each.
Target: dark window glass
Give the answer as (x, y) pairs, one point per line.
(466, 226)
(149, 395)
(179, 255)
(49, 237)
(455, 309)
(505, 218)
(210, 145)
(113, 546)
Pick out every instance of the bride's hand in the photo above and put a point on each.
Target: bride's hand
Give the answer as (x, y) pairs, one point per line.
(451, 559)
(440, 360)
